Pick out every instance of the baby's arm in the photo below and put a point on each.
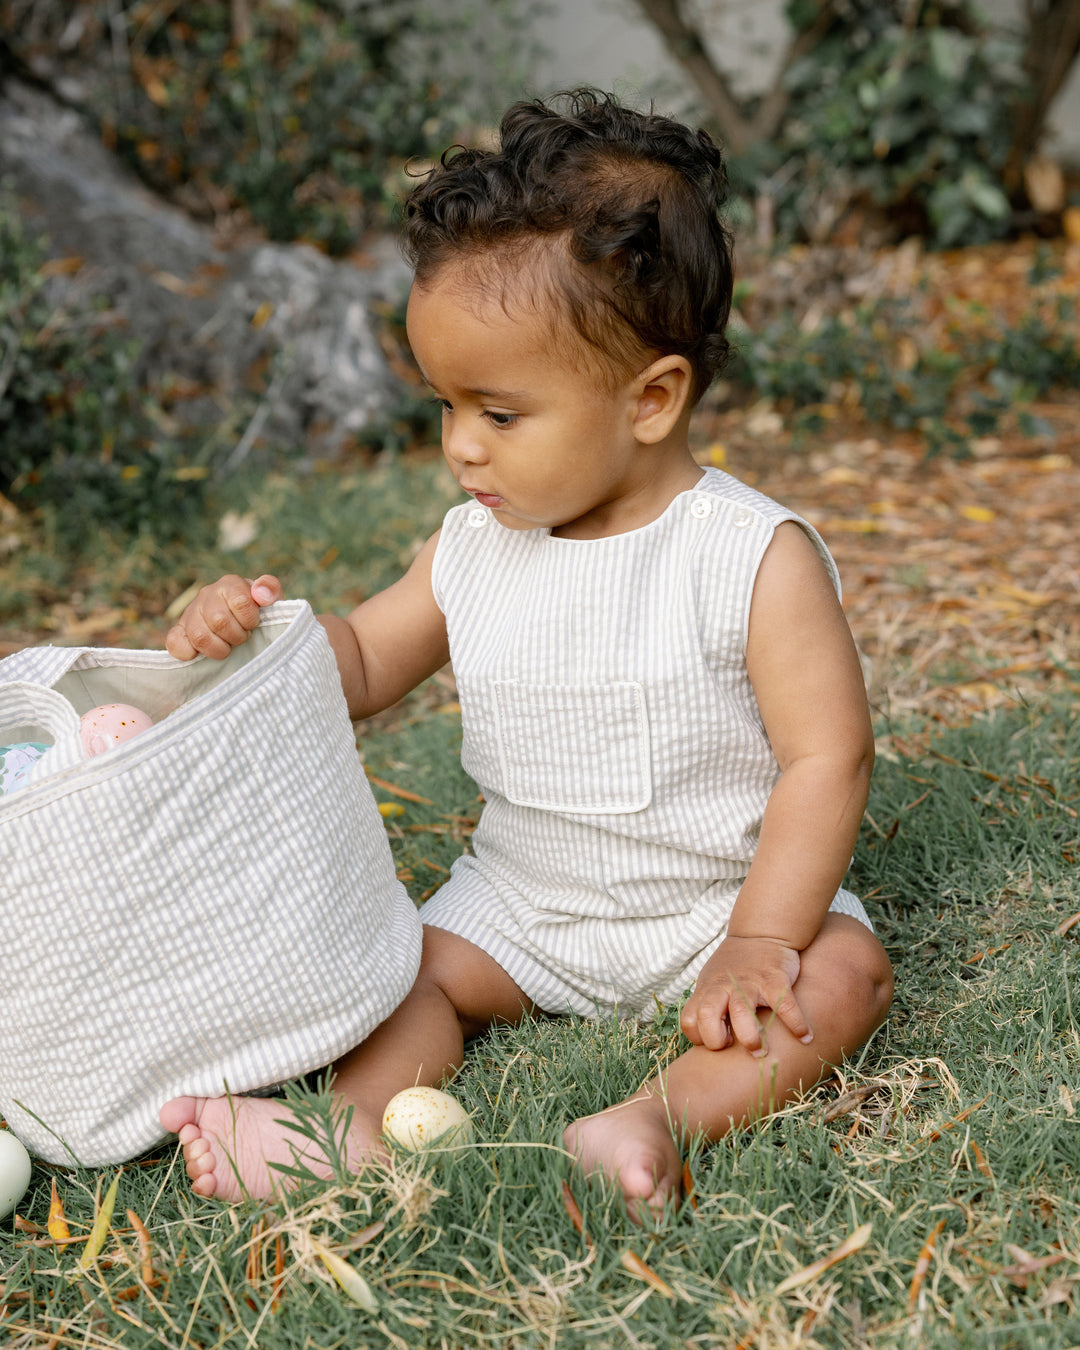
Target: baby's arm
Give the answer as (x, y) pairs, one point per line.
(808, 682)
(385, 647)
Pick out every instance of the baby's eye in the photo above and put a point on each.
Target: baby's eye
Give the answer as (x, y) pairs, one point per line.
(501, 419)
(443, 403)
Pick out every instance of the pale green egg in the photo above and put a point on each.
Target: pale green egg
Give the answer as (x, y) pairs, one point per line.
(14, 1172)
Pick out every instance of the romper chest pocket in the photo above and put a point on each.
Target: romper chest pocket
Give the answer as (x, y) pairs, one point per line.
(574, 748)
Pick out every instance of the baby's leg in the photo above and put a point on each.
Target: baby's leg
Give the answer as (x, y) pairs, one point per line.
(230, 1144)
(844, 989)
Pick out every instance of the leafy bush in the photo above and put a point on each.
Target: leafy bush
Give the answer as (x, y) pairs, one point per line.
(905, 108)
(78, 438)
(308, 121)
(956, 387)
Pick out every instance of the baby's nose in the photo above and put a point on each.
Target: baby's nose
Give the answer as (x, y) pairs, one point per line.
(462, 445)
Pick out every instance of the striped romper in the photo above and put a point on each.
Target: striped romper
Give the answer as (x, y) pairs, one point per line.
(609, 721)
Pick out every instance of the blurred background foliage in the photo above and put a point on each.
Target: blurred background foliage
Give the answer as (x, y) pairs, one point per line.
(898, 117)
(302, 115)
(299, 121)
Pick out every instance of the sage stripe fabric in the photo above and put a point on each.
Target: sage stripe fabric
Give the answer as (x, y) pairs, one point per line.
(610, 724)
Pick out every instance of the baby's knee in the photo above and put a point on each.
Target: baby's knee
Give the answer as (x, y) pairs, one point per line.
(869, 980)
(878, 977)
(854, 977)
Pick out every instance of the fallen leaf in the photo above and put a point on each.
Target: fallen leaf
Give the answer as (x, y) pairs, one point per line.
(279, 1273)
(57, 1225)
(404, 793)
(100, 1230)
(922, 1265)
(146, 1250)
(177, 607)
(852, 527)
(572, 1209)
(633, 1263)
(1033, 598)
(851, 1244)
(61, 267)
(351, 1282)
(688, 1186)
(175, 285)
(991, 951)
(236, 531)
(850, 1101)
(1027, 1265)
(99, 622)
(956, 1120)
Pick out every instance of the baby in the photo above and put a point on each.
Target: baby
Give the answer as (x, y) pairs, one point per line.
(661, 700)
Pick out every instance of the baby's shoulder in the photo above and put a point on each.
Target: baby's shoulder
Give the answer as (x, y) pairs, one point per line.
(746, 511)
(738, 497)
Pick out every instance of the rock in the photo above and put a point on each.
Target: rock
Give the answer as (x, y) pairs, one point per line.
(283, 319)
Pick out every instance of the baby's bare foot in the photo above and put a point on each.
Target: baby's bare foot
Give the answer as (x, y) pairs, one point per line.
(229, 1144)
(633, 1145)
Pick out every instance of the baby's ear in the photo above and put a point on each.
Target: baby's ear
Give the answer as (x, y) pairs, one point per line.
(663, 394)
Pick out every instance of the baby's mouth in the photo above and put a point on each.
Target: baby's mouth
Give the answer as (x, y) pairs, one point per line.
(488, 499)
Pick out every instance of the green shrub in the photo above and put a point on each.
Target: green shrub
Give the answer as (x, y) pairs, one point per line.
(79, 439)
(308, 123)
(961, 387)
(906, 108)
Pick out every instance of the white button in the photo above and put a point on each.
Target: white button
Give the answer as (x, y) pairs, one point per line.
(477, 517)
(742, 518)
(701, 507)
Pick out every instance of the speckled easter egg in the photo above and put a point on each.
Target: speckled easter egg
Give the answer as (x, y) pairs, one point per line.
(111, 724)
(419, 1116)
(14, 1172)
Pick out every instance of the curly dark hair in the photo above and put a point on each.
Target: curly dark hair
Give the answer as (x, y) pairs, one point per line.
(613, 214)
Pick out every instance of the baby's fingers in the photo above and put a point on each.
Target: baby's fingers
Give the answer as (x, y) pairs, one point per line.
(704, 1021)
(787, 1011)
(746, 1027)
(265, 590)
(752, 1025)
(220, 617)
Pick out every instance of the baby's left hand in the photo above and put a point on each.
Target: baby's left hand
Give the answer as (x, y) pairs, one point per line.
(742, 975)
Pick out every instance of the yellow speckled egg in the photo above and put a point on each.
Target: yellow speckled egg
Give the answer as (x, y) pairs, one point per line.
(14, 1172)
(419, 1116)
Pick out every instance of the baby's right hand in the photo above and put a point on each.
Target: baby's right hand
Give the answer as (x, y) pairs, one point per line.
(221, 616)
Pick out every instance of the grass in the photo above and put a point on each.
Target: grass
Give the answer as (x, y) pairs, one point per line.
(955, 1135)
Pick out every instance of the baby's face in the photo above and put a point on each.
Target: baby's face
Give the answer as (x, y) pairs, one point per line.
(528, 430)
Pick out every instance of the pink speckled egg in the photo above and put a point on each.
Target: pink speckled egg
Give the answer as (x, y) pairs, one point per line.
(111, 724)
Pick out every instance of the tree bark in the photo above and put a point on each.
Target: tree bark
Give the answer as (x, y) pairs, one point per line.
(738, 129)
(1051, 48)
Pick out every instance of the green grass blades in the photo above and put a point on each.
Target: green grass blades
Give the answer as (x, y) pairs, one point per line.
(928, 1195)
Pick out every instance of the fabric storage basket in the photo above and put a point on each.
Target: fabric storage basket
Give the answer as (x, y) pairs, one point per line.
(209, 907)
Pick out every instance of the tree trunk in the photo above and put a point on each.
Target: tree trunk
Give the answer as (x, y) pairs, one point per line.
(738, 129)
(685, 45)
(1052, 45)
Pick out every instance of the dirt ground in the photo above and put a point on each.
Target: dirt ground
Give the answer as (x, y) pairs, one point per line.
(961, 578)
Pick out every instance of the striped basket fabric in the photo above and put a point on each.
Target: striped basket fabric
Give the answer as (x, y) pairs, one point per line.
(209, 907)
